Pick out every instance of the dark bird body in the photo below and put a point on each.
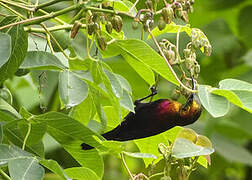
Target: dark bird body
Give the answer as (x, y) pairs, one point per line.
(153, 118)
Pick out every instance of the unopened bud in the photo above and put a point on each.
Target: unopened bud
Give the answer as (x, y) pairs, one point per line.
(161, 24)
(149, 4)
(102, 42)
(117, 23)
(109, 27)
(75, 29)
(208, 50)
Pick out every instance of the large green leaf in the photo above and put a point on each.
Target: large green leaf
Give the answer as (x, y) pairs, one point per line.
(36, 134)
(72, 89)
(184, 148)
(123, 5)
(19, 45)
(8, 153)
(41, 60)
(5, 48)
(216, 105)
(12, 132)
(25, 169)
(54, 167)
(143, 70)
(127, 102)
(71, 134)
(144, 53)
(145, 146)
(237, 92)
(81, 173)
(7, 107)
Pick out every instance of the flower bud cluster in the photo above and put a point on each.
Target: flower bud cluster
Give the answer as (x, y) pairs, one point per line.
(94, 25)
(168, 50)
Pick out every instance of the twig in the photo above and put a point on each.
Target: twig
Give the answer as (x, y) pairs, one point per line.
(54, 28)
(12, 10)
(27, 135)
(125, 165)
(167, 62)
(56, 19)
(17, 5)
(134, 5)
(157, 174)
(4, 175)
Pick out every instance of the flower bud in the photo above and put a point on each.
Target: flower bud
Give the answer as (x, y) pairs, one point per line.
(109, 27)
(197, 69)
(102, 42)
(117, 23)
(161, 24)
(90, 28)
(208, 50)
(168, 14)
(187, 53)
(189, 63)
(185, 16)
(75, 29)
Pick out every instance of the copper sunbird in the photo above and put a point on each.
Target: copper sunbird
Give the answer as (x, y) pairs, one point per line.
(154, 117)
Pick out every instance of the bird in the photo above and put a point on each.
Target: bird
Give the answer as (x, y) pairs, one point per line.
(153, 118)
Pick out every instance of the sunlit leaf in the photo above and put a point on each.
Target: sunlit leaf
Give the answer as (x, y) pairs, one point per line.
(184, 148)
(217, 106)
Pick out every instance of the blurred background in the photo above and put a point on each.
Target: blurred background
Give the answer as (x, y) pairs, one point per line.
(228, 26)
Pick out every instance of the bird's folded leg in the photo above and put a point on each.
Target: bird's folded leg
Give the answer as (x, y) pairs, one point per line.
(153, 93)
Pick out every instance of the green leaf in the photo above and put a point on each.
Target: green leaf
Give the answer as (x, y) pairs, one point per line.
(124, 83)
(143, 70)
(19, 45)
(127, 102)
(150, 144)
(123, 5)
(25, 169)
(41, 60)
(140, 155)
(234, 84)
(231, 151)
(85, 107)
(12, 132)
(113, 146)
(144, 53)
(5, 106)
(8, 152)
(81, 173)
(203, 161)
(237, 92)
(71, 134)
(24, 113)
(72, 89)
(216, 105)
(5, 48)
(171, 28)
(54, 167)
(116, 86)
(77, 65)
(37, 131)
(184, 148)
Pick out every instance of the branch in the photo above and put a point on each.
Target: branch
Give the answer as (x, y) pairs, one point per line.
(167, 62)
(125, 165)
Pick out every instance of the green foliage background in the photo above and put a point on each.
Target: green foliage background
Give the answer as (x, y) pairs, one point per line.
(227, 24)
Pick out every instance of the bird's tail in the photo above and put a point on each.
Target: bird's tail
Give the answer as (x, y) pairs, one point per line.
(111, 135)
